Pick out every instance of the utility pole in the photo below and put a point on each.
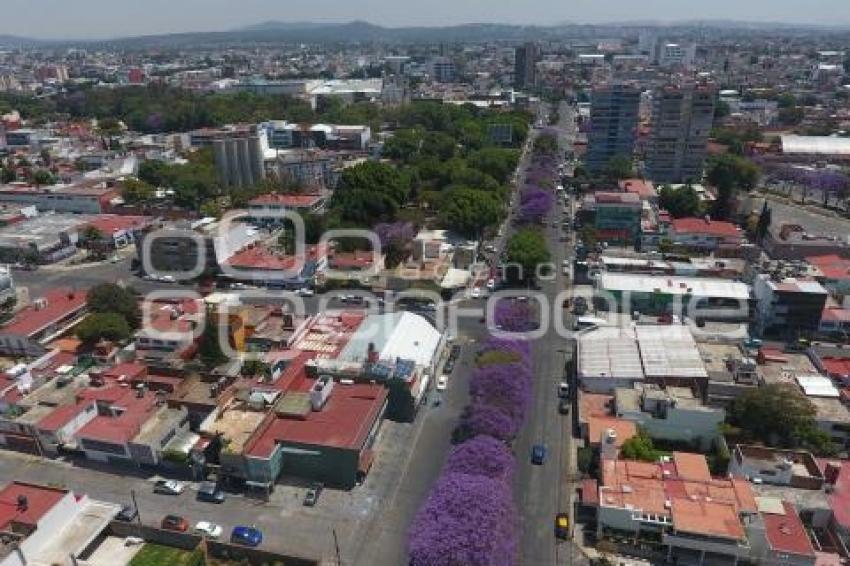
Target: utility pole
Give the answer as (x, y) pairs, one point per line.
(336, 547)
(138, 512)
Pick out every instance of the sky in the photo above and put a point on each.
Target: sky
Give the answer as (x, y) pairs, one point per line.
(98, 19)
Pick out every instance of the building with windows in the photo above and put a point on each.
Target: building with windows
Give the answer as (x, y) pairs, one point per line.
(705, 235)
(682, 118)
(526, 57)
(613, 124)
(788, 305)
(45, 318)
(443, 70)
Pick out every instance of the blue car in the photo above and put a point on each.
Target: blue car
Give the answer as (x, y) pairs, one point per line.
(249, 536)
(538, 454)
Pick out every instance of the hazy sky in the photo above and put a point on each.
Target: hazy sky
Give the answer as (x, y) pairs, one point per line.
(115, 18)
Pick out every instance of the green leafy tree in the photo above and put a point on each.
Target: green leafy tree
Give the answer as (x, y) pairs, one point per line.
(469, 211)
(97, 326)
(43, 177)
(730, 173)
(209, 348)
(111, 298)
(528, 248)
(681, 202)
(640, 447)
(256, 368)
(619, 167)
(135, 191)
(778, 414)
(369, 192)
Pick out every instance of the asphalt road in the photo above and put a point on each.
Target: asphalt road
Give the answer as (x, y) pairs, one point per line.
(544, 490)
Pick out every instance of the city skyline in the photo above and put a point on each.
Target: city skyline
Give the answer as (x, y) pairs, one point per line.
(98, 19)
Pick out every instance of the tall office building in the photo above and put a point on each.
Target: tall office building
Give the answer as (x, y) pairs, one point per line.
(525, 65)
(681, 121)
(443, 70)
(239, 160)
(613, 124)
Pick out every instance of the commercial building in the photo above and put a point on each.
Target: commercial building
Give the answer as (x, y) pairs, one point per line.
(47, 317)
(670, 413)
(705, 297)
(617, 216)
(443, 70)
(705, 235)
(48, 525)
(794, 468)
(682, 118)
(613, 124)
(87, 198)
(526, 57)
(789, 305)
(264, 207)
(289, 135)
(687, 514)
(42, 239)
(611, 358)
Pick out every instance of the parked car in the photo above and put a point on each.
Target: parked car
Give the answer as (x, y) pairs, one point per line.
(210, 492)
(305, 292)
(564, 406)
(442, 382)
(476, 293)
(169, 487)
(127, 513)
(174, 523)
(207, 529)
(454, 353)
(450, 366)
(562, 526)
(564, 390)
(313, 493)
(491, 284)
(249, 536)
(538, 454)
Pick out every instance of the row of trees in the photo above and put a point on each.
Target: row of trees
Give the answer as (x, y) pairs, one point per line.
(469, 516)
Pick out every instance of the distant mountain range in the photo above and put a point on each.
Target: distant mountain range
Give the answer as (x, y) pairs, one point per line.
(360, 31)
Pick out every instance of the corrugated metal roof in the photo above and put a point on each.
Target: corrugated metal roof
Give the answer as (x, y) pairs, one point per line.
(822, 145)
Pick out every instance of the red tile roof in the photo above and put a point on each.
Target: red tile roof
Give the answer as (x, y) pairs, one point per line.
(61, 303)
(835, 314)
(786, 533)
(642, 188)
(258, 257)
(123, 428)
(702, 226)
(62, 415)
(40, 499)
(712, 518)
(344, 422)
(596, 426)
(288, 201)
(832, 266)
(353, 260)
(109, 224)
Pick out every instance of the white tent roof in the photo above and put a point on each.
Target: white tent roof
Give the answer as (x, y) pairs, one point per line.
(821, 145)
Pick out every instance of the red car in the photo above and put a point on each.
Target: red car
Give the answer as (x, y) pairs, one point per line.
(175, 523)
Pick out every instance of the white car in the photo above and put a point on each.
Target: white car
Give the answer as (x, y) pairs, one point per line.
(305, 292)
(207, 529)
(169, 487)
(442, 382)
(167, 279)
(491, 284)
(475, 293)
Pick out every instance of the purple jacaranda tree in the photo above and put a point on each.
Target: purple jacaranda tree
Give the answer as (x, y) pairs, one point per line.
(395, 232)
(504, 386)
(513, 316)
(492, 421)
(467, 520)
(482, 455)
